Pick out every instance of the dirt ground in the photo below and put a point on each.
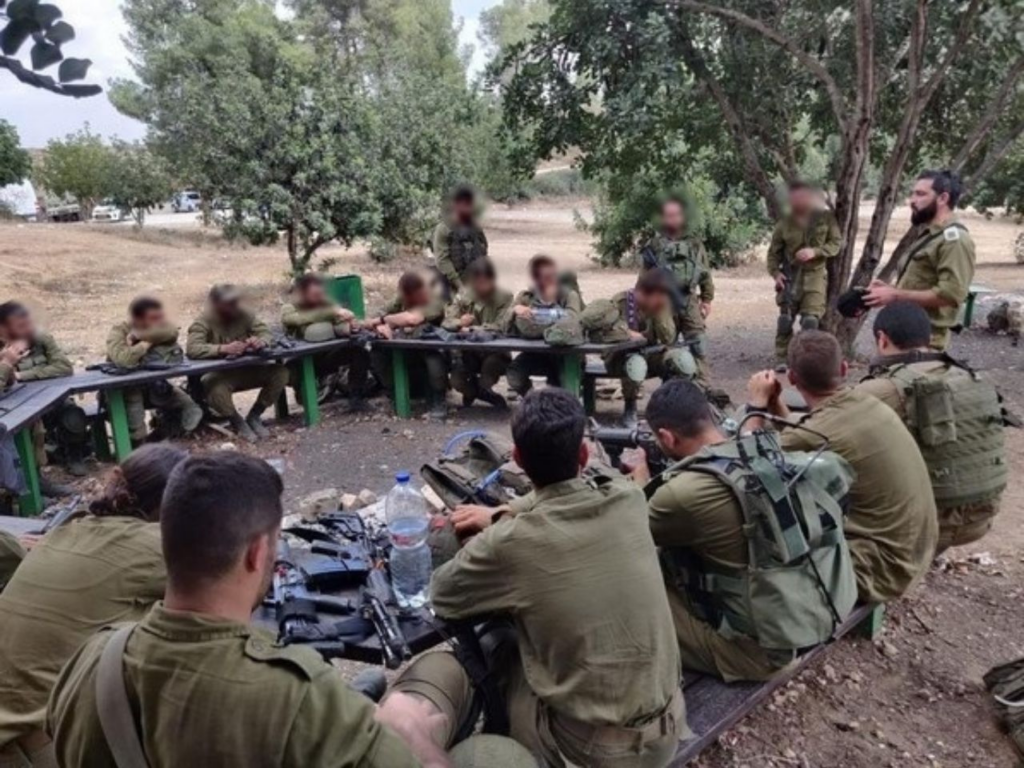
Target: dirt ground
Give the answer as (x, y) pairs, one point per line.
(914, 699)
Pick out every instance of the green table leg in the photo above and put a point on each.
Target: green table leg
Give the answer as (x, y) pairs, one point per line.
(969, 309)
(400, 375)
(871, 627)
(119, 424)
(572, 367)
(281, 406)
(307, 388)
(32, 502)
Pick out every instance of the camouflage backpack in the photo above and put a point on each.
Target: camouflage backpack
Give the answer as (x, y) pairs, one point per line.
(602, 322)
(466, 245)
(476, 468)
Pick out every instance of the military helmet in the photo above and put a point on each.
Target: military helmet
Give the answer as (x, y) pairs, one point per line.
(490, 751)
(318, 332)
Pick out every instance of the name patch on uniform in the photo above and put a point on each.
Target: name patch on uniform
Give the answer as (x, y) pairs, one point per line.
(952, 234)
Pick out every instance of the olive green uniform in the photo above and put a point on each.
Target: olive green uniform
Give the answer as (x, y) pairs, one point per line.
(320, 323)
(11, 555)
(940, 260)
(456, 246)
(205, 337)
(84, 575)
(806, 294)
(959, 524)
(161, 346)
(212, 692)
(45, 360)
(472, 371)
(687, 259)
(577, 572)
(428, 371)
(529, 364)
(892, 526)
(700, 513)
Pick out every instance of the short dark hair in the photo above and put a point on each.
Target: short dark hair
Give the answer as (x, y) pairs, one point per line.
(816, 359)
(410, 282)
(547, 428)
(944, 180)
(11, 309)
(481, 268)
(308, 280)
(795, 185)
(136, 487)
(905, 323)
(654, 281)
(143, 304)
(679, 406)
(463, 193)
(215, 504)
(538, 262)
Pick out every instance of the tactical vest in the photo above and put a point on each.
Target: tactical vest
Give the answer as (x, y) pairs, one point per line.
(479, 471)
(680, 258)
(957, 420)
(466, 245)
(799, 585)
(36, 358)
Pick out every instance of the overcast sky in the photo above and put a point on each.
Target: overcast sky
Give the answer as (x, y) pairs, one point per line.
(40, 116)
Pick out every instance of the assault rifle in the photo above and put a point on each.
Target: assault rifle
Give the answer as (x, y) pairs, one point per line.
(615, 440)
(112, 369)
(679, 294)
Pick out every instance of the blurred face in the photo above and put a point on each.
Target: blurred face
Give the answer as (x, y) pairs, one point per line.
(228, 310)
(652, 302)
(20, 328)
(673, 218)
(152, 318)
(546, 277)
(314, 295)
(418, 298)
(483, 286)
(802, 201)
(924, 203)
(464, 210)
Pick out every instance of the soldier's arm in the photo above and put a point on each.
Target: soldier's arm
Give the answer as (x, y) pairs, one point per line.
(120, 352)
(197, 344)
(707, 280)
(955, 268)
(574, 302)
(453, 315)
(261, 331)
(6, 376)
(664, 328)
(504, 310)
(885, 390)
(833, 241)
(776, 251)
(295, 319)
(160, 334)
(57, 363)
(476, 581)
(443, 256)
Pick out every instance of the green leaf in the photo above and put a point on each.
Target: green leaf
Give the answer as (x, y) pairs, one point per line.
(45, 55)
(45, 15)
(60, 33)
(22, 10)
(13, 36)
(73, 69)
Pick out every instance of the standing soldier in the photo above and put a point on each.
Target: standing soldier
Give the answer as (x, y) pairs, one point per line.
(227, 330)
(313, 317)
(955, 416)
(547, 301)
(802, 243)
(483, 306)
(148, 337)
(458, 240)
(683, 254)
(937, 270)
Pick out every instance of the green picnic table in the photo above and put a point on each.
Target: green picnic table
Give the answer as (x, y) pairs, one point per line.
(967, 314)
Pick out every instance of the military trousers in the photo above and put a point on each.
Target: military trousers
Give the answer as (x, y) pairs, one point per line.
(965, 524)
(662, 365)
(529, 364)
(428, 372)
(32, 751)
(220, 386)
(476, 371)
(136, 400)
(807, 307)
(355, 360)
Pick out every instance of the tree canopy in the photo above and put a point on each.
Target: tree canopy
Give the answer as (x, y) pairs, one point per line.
(15, 162)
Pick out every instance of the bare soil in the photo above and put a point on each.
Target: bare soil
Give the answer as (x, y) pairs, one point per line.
(914, 699)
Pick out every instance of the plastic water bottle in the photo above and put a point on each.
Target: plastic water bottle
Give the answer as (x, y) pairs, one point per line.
(408, 524)
(547, 315)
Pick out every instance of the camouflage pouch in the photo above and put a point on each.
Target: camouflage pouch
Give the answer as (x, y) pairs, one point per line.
(602, 323)
(567, 332)
(1006, 684)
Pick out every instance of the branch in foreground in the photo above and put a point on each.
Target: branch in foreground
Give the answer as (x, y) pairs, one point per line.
(46, 82)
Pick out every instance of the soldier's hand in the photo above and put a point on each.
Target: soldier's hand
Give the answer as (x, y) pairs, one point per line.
(763, 388)
(255, 343)
(805, 255)
(418, 723)
(132, 339)
(633, 462)
(522, 312)
(385, 332)
(880, 294)
(637, 336)
(470, 519)
(780, 282)
(345, 315)
(233, 349)
(12, 355)
(705, 309)
(467, 320)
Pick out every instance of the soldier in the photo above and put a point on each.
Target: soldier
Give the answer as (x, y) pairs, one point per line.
(148, 337)
(458, 240)
(28, 354)
(683, 254)
(803, 241)
(613, 700)
(937, 270)
(642, 313)
(892, 526)
(188, 672)
(313, 317)
(955, 416)
(480, 306)
(96, 569)
(709, 515)
(410, 313)
(544, 303)
(227, 330)
(11, 555)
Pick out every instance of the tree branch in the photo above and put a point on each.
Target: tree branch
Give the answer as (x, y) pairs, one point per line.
(956, 48)
(996, 152)
(992, 113)
(45, 82)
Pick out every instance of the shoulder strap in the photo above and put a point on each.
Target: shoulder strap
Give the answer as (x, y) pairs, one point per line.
(116, 718)
(922, 243)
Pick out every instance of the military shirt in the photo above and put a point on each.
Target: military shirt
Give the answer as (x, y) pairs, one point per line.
(688, 261)
(453, 265)
(891, 503)
(567, 299)
(84, 575)
(578, 573)
(297, 319)
(208, 333)
(490, 314)
(11, 555)
(162, 341)
(660, 329)
(211, 692)
(945, 265)
(887, 390)
(45, 360)
(433, 313)
(822, 235)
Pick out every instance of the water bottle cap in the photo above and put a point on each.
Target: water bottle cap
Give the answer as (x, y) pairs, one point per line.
(402, 477)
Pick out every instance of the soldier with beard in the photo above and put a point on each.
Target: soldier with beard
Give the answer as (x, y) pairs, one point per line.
(937, 270)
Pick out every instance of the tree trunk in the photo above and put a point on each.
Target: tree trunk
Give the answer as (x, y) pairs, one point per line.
(293, 251)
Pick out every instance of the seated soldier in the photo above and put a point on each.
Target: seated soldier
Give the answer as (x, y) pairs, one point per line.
(227, 330)
(409, 314)
(204, 687)
(99, 568)
(644, 313)
(712, 515)
(892, 525)
(313, 317)
(148, 337)
(596, 679)
(545, 302)
(28, 354)
(480, 306)
(965, 454)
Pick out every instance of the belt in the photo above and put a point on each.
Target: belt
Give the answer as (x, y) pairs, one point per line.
(653, 728)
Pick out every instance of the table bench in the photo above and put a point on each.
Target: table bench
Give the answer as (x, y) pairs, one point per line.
(967, 313)
(572, 358)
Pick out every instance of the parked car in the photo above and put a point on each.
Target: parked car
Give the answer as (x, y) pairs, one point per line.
(107, 211)
(188, 201)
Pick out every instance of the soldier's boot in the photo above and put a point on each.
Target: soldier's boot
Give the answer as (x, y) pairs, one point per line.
(191, 417)
(255, 422)
(438, 406)
(52, 490)
(491, 397)
(630, 419)
(242, 428)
